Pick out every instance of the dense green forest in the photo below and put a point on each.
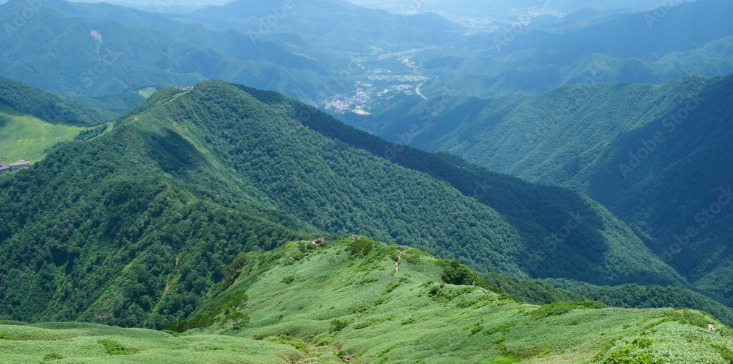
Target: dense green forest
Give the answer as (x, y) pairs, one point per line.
(475, 217)
(536, 137)
(100, 245)
(636, 149)
(136, 226)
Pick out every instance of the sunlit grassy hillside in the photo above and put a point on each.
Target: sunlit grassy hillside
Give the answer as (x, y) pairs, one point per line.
(23, 136)
(321, 303)
(350, 298)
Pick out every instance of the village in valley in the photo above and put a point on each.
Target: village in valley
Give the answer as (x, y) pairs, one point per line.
(374, 78)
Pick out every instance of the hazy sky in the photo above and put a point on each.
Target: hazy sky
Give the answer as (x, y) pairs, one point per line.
(161, 2)
(460, 8)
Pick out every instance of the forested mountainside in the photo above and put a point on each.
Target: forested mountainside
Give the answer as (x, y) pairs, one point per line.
(103, 50)
(637, 149)
(48, 106)
(137, 225)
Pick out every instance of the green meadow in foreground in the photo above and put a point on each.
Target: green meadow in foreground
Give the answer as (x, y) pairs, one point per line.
(89, 343)
(23, 136)
(317, 303)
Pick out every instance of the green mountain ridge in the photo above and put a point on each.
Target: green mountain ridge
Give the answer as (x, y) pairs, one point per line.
(50, 107)
(344, 300)
(136, 226)
(350, 296)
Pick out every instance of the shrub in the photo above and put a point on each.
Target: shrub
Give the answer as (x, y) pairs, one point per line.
(561, 308)
(394, 285)
(642, 342)
(409, 321)
(363, 325)
(294, 343)
(237, 319)
(338, 325)
(476, 329)
(327, 340)
(288, 279)
(626, 356)
(372, 321)
(171, 332)
(456, 273)
(52, 356)
(726, 353)
(503, 328)
(360, 247)
(114, 348)
(5, 336)
(360, 308)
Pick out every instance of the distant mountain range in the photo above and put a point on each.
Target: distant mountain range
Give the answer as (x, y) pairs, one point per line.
(502, 10)
(343, 57)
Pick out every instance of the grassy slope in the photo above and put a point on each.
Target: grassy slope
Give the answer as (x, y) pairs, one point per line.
(23, 136)
(75, 342)
(296, 293)
(631, 295)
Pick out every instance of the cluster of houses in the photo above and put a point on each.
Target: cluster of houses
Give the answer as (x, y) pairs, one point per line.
(17, 165)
